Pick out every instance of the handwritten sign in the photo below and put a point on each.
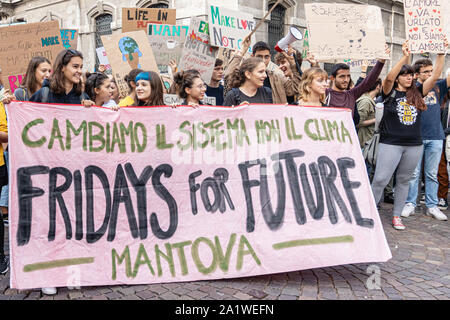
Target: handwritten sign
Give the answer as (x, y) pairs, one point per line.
(103, 57)
(228, 28)
(197, 52)
(168, 42)
(168, 195)
(134, 19)
(305, 48)
(424, 25)
(173, 99)
(69, 38)
(20, 43)
(358, 63)
(128, 51)
(446, 7)
(345, 31)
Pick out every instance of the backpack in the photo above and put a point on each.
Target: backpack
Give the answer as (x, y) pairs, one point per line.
(370, 149)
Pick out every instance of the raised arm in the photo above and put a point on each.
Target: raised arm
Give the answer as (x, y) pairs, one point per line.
(437, 70)
(388, 83)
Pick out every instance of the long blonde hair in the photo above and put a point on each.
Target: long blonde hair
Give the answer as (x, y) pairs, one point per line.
(307, 79)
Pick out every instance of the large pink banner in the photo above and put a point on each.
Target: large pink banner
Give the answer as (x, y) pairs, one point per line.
(152, 195)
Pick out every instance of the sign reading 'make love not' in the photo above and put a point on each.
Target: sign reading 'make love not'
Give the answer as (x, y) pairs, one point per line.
(151, 195)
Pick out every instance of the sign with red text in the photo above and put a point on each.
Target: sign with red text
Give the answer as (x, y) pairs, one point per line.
(20, 43)
(345, 31)
(425, 25)
(228, 28)
(161, 194)
(197, 53)
(134, 19)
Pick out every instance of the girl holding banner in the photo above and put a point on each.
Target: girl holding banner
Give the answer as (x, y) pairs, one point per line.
(313, 87)
(247, 83)
(191, 88)
(38, 70)
(64, 85)
(149, 89)
(400, 130)
(98, 87)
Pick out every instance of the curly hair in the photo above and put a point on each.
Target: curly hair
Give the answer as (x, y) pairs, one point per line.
(238, 77)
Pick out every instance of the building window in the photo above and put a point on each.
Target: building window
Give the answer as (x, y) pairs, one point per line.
(276, 25)
(159, 5)
(102, 27)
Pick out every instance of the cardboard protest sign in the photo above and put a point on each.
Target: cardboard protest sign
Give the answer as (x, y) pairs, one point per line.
(345, 31)
(157, 194)
(102, 57)
(134, 19)
(446, 17)
(358, 63)
(305, 48)
(197, 52)
(69, 38)
(167, 41)
(128, 51)
(424, 24)
(228, 28)
(173, 99)
(20, 43)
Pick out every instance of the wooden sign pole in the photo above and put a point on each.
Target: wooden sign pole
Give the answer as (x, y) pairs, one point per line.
(264, 18)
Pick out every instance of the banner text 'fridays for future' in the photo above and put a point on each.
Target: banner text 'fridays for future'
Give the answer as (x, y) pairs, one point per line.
(211, 193)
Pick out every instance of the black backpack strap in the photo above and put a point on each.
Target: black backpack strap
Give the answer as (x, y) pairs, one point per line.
(44, 94)
(237, 96)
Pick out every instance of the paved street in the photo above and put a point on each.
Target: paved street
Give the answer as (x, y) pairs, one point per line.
(419, 269)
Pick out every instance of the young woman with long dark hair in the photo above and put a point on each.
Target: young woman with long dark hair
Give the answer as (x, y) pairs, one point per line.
(39, 69)
(400, 130)
(149, 89)
(64, 85)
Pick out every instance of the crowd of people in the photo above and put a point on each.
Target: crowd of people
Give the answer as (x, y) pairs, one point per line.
(412, 127)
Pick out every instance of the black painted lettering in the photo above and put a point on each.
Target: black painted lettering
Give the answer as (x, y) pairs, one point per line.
(164, 194)
(55, 194)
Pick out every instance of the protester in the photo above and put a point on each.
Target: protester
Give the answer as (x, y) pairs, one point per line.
(215, 88)
(339, 95)
(280, 86)
(64, 85)
(38, 70)
(149, 89)
(98, 88)
(400, 135)
(4, 261)
(130, 78)
(191, 88)
(442, 170)
(366, 110)
(433, 136)
(115, 90)
(247, 84)
(313, 87)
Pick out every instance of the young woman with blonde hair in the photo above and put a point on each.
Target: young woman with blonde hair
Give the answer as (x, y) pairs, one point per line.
(313, 87)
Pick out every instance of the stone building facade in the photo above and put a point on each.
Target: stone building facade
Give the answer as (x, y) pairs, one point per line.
(96, 17)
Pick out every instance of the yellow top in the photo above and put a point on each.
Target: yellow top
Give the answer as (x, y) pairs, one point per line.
(126, 102)
(3, 128)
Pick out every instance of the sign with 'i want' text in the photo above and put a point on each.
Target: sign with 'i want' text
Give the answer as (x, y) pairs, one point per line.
(159, 194)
